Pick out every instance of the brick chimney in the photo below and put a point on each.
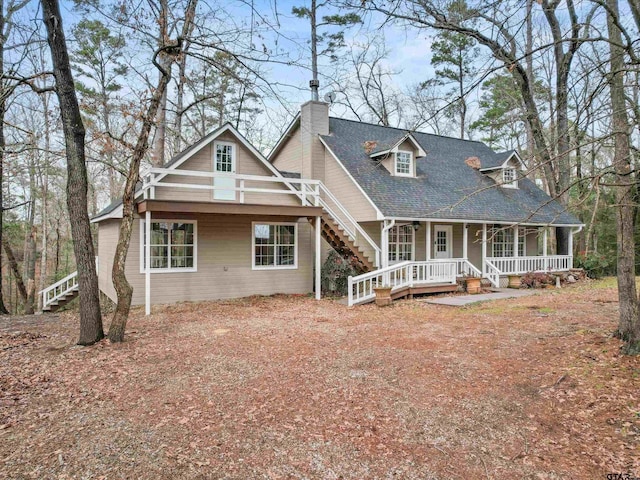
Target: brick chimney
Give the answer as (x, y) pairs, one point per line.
(314, 121)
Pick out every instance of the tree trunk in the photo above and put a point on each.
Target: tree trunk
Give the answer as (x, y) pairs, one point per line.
(124, 291)
(3, 308)
(629, 324)
(22, 290)
(74, 135)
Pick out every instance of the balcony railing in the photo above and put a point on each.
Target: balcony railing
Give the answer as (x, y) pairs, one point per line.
(521, 265)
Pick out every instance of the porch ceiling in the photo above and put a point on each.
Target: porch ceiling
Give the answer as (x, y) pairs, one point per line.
(177, 206)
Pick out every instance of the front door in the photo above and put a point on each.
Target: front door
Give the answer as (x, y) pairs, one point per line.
(224, 161)
(442, 241)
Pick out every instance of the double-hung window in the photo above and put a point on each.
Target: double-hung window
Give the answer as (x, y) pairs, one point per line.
(509, 178)
(404, 164)
(401, 243)
(275, 245)
(172, 248)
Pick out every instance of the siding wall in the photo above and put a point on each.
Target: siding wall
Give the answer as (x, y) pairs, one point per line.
(224, 263)
(289, 158)
(246, 164)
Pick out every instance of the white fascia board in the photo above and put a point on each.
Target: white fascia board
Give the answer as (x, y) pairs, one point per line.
(115, 213)
(379, 214)
(481, 222)
(284, 137)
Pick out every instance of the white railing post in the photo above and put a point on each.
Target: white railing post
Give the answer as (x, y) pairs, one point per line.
(242, 191)
(350, 291)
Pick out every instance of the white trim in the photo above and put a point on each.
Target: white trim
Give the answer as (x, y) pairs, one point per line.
(449, 231)
(285, 136)
(274, 267)
(379, 215)
(411, 164)
(147, 261)
(318, 258)
(506, 162)
(481, 222)
(389, 243)
(409, 136)
(170, 269)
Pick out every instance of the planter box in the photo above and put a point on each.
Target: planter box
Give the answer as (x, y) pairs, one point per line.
(383, 296)
(473, 285)
(515, 281)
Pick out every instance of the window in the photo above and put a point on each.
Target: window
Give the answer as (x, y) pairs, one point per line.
(503, 242)
(509, 178)
(173, 246)
(404, 164)
(224, 158)
(401, 243)
(275, 245)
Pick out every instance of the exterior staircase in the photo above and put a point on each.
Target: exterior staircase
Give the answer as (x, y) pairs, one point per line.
(344, 244)
(60, 293)
(55, 305)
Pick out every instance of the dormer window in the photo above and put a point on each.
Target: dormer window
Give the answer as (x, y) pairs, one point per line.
(509, 178)
(404, 164)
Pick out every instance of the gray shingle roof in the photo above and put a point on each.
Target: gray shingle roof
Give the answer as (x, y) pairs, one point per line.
(497, 160)
(445, 187)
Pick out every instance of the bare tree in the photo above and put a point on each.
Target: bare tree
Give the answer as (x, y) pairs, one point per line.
(74, 134)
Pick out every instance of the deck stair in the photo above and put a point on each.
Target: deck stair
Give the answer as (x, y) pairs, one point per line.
(343, 243)
(60, 293)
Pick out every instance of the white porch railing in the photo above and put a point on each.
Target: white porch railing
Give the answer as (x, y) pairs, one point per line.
(497, 266)
(400, 275)
(310, 192)
(61, 288)
(520, 265)
(463, 267)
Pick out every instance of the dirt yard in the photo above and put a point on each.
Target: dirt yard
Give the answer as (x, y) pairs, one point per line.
(287, 387)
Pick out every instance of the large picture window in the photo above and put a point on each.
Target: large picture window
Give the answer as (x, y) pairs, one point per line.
(275, 245)
(173, 246)
(401, 243)
(404, 164)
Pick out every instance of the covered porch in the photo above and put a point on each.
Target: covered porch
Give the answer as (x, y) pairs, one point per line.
(461, 249)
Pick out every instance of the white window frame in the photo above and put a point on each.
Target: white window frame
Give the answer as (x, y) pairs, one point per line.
(393, 245)
(170, 269)
(509, 232)
(274, 267)
(510, 183)
(234, 163)
(395, 165)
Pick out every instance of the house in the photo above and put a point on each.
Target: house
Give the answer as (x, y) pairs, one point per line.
(413, 210)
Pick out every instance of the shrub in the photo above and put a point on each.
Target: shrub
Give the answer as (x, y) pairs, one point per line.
(537, 280)
(595, 265)
(335, 274)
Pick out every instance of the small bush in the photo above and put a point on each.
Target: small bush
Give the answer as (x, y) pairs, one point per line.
(537, 280)
(335, 274)
(595, 266)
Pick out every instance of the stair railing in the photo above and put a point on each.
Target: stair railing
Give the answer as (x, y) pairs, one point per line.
(59, 289)
(492, 273)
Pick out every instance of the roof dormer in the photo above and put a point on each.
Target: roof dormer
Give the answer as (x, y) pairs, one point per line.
(399, 155)
(504, 168)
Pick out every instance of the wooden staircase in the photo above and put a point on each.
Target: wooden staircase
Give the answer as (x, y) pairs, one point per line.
(344, 245)
(56, 305)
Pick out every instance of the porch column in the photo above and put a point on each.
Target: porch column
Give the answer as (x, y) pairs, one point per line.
(465, 238)
(484, 248)
(516, 240)
(428, 241)
(570, 249)
(147, 263)
(544, 248)
(318, 259)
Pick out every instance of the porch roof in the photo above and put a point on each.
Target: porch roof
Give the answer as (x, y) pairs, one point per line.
(180, 206)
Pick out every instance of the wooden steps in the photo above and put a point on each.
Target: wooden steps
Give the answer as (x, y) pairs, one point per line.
(422, 289)
(61, 302)
(341, 243)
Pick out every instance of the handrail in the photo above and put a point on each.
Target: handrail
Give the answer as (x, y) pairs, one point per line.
(493, 273)
(540, 263)
(60, 288)
(463, 266)
(312, 188)
(361, 288)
